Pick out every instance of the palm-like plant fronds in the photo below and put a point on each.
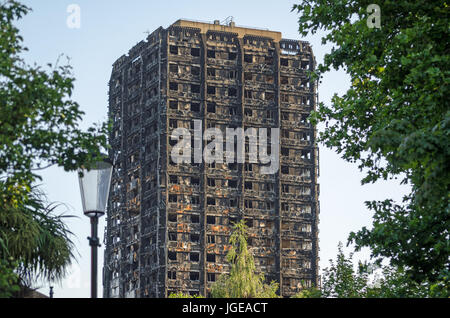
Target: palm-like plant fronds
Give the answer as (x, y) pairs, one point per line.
(34, 235)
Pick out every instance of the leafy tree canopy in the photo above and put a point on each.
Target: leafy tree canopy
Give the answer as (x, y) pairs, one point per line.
(242, 281)
(9, 280)
(38, 128)
(342, 279)
(38, 120)
(182, 295)
(393, 121)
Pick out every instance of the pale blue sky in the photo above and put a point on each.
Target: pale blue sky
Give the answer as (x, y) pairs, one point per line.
(108, 30)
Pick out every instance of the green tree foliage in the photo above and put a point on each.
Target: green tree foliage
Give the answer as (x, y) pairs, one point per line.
(38, 120)
(182, 295)
(9, 280)
(37, 238)
(393, 121)
(242, 281)
(312, 292)
(341, 280)
(38, 128)
(395, 283)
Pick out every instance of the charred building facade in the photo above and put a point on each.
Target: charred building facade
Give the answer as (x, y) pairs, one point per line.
(168, 224)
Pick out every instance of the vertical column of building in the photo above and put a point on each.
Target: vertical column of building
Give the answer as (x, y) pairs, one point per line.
(278, 176)
(222, 180)
(138, 228)
(145, 118)
(242, 166)
(259, 188)
(117, 189)
(204, 236)
(298, 191)
(144, 256)
(314, 269)
(131, 225)
(185, 207)
(121, 167)
(315, 224)
(124, 259)
(119, 104)
(164, 182)
(148, 260)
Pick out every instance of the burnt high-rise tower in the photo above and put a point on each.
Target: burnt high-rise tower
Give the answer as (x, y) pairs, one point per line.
(168, 224)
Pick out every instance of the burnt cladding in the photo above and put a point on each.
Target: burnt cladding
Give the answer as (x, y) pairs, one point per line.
(168, 224)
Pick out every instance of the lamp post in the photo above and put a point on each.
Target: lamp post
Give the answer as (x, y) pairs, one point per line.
(94, 188)
(52, 279)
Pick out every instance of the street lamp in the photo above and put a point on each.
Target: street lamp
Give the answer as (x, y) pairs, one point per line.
(94, 188)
